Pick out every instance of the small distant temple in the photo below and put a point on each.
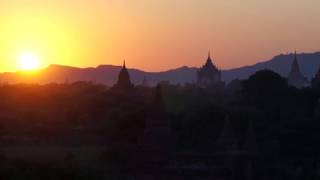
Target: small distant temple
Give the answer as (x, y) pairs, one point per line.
(295, 77)
(208, 74)
(123, 82)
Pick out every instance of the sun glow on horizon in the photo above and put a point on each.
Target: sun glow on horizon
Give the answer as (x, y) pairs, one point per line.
(29, 61)
(90, 33)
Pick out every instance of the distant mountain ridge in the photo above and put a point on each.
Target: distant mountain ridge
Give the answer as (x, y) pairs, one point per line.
(309, 64)
(107, 74)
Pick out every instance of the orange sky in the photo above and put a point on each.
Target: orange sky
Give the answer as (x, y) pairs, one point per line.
(155, 35)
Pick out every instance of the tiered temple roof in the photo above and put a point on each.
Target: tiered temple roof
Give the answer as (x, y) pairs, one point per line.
(208, 74)
(123, 82)
(295, 77)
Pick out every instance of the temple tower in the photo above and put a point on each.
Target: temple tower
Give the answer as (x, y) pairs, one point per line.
(208, 74)
(123, 82)
(295, 77)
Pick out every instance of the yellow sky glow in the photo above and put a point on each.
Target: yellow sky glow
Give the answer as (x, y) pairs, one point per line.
(155, 35)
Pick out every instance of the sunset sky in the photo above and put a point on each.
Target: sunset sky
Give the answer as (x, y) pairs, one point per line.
(155, 35)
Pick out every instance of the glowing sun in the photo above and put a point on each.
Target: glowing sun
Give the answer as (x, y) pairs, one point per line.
(29, 61)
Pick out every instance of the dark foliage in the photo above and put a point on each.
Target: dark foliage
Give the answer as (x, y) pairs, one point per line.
(272, 128)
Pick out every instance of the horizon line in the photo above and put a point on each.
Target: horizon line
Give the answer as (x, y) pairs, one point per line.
(134, 68)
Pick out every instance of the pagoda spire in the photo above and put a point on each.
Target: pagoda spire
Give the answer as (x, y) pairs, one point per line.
(209, 60)
(295, 77)
(123, 82)
(124, 63)
(295, 65)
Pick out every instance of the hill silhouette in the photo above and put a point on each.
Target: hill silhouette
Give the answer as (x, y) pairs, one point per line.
(107, 74)
(309, 64)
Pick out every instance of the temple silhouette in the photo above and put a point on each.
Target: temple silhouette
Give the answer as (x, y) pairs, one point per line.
(255, 129)
(295, 77)
(208, 74)
(154, 152)
(124, 82)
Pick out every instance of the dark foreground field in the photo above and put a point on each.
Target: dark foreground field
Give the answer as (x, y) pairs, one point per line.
(260, 128)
